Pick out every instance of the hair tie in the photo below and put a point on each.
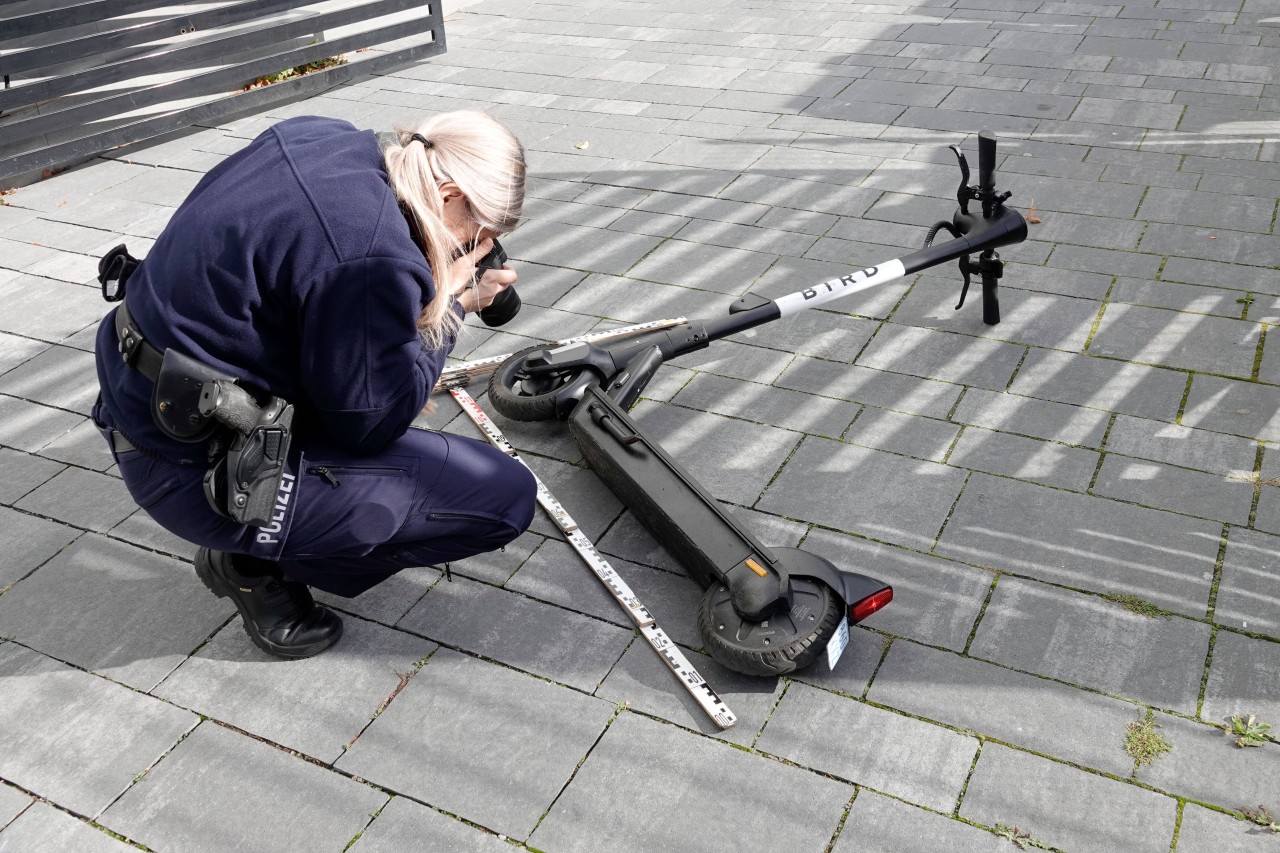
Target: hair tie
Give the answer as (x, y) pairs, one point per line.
(426, 143)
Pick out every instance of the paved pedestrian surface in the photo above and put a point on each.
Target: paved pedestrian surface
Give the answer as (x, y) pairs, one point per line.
(1116, 438)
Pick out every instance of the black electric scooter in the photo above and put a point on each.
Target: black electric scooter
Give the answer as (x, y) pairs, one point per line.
(765, 611)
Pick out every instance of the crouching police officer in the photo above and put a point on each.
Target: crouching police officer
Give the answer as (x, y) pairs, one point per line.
(307, 293)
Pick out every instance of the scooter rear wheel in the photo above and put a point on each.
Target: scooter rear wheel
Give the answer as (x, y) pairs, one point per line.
(784, 643)
(523, 396)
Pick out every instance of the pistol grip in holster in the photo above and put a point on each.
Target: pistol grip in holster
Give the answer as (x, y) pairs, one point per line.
(245, 485)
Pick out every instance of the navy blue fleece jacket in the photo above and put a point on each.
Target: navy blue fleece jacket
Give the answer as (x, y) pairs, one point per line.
(289, 265)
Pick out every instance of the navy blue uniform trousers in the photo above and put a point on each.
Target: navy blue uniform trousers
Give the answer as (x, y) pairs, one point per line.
(346, 523)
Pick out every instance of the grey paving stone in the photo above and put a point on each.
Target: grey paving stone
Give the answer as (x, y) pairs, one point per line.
(923, 438)
(232, 681)
(557, 575)
(27, 542)
(643, 682)
(406, 825)
(1179, 297)
(1071, 724)
(665, 177)
(940, 355)
(1206, 765)
(873, 387)
(821, 334)
(737, 361)
(1239, 408)
(898, 755)
(519, 631)
(740, 238)
(1027, 316)
(1083, 541)
(12, 804)
(141, 529)
(15, 350)
(792, 808)
(23, 472)
(837, 198)
(1105, 261)
(623, 300)
(1195, 241)
(1205, 831)
(1247, 594)
(1175, 339)
(1208, 209)
(866, 492)
(1133, 389)
(1179, 489)
(1010, 412)
(732, 459)
(194, 799)
(87, 499)
(42, 827)
(1127, 112)
(707, 267)
(581, 492)
(55, 717)
(879, 824)
(83, 446)
(582, 248)
(1025, 459)
(1092, 642)
(935, 601)
(117, 610)
(768, 405)
(1181, 445)
(1065, 807)
(504, 779)
(726, 209)
(30, 426)
(1238, 679)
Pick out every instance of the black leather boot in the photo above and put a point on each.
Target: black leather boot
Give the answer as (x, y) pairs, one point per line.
(279, 615)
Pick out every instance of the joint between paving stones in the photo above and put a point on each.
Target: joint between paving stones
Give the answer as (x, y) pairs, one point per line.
(964, 787)
(844, 816)
(1257, 356)
(786, 686)
(1204, 679)
(982, 611)
(369, 823)
(1186, 395)
(1097, 320)
(886, 640)
(617, 712)
(950, 512)
(1102, 454)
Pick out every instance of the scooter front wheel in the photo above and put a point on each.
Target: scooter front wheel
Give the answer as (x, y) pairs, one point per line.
(784, 643)
(525, 396)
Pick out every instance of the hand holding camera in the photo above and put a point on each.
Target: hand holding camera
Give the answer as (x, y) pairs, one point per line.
(507, 303)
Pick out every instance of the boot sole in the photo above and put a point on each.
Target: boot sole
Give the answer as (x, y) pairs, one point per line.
(204, 571)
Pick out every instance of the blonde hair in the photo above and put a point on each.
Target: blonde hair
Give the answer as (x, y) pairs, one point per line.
(486, 161)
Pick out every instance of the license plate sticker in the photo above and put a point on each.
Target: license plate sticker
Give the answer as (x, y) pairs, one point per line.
(838, 643)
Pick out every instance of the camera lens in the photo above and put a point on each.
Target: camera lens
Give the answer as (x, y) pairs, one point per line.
(504, 306)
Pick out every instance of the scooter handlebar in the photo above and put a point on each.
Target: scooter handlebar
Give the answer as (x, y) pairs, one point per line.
(986, 162)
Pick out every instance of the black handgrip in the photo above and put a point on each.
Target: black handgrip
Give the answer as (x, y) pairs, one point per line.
(986, 163)
(230, 404)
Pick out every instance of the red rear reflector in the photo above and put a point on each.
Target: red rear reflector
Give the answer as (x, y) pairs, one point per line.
(871, 604)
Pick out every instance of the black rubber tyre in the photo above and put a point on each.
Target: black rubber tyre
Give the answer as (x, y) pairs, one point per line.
(785, 643)
(522, 397)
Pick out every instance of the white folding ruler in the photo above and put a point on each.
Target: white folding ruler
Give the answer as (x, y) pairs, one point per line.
(656, 637)
(461, 375)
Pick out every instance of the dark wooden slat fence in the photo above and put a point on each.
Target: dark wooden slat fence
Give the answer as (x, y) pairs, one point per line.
(82, 77)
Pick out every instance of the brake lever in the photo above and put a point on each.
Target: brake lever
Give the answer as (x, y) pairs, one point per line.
(965, 192)
(966, 269)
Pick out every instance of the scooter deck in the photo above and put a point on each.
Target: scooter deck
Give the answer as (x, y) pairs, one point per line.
(668, 501)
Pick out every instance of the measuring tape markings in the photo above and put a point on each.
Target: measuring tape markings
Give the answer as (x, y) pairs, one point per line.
(675, 660)
(461, 375)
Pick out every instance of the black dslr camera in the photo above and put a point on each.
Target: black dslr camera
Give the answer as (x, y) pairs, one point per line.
(507, 303)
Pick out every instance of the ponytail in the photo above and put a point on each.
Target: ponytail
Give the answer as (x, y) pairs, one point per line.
(486, 161)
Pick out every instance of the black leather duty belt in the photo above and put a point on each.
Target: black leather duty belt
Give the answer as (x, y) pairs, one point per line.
(134, 349)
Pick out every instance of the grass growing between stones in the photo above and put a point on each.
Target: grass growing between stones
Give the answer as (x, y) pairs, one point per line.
(1249, 731)
(1144, 743)
(1020, 837)
(1134, 604)
(1261, 817)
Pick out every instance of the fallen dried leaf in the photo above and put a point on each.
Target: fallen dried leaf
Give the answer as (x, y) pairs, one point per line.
(583, 144)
